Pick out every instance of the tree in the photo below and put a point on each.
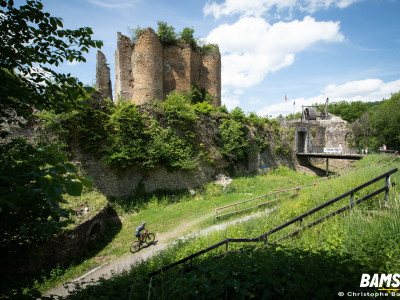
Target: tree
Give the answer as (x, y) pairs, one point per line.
(31, 42)
(33, 178)
(385, 122)
(361, 130)
(349, 111)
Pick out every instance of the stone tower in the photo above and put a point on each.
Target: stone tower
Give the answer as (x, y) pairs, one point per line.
(147, 66)
(150, 69)
(103, 81)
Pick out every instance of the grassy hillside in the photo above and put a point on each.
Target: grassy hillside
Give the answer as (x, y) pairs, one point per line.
(326, 260)
(168, 215)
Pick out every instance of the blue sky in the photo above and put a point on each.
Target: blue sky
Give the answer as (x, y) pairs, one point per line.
(307, 50)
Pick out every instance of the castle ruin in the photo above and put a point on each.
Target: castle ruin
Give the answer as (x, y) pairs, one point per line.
(150, 69)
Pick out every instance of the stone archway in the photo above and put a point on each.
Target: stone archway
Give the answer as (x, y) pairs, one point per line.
(94, 231)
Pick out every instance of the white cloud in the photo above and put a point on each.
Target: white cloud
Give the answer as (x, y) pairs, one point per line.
(314, 5)
(113, 3)
(363, 90)
(73, 63)
(260, 7)
(366, 90)
(230, 102)
(251, 47)
(247, 8)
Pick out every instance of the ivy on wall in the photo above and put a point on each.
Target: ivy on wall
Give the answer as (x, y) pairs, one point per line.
(164, 133)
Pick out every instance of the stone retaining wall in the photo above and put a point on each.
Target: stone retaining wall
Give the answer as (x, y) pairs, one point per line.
(68, 245)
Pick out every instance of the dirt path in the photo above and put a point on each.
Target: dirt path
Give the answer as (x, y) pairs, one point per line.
(126, 262)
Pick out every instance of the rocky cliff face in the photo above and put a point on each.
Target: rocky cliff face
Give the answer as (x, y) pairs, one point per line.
(113, 183)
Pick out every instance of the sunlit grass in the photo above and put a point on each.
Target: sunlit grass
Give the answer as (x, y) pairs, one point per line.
(345, 233)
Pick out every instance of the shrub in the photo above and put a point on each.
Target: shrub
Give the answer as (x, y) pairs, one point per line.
(179, 111)
(234, 139)
(203, 108)
(198, 94)
(135, 32)
(238, 114)
(166, 33)
(187, 36)
(127, 141)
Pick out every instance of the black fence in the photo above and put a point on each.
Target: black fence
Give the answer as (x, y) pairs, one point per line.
(264, 237)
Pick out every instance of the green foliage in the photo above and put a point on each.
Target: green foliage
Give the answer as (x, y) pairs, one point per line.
(126, 138)
(349, 111)
(86, 123)
(137, 139)
(234, 139)
(206, 48)
(33, 181)
(187, 37)
(282, 150)
(166, 33)
(261, 135)
(204, 108)
(331, 256)
(295, 116)
(222, 109)
(385, 122)
(198, 94)
(373, 123)
(179, 111)
(238, 114)
(32, 42)
(135, 32)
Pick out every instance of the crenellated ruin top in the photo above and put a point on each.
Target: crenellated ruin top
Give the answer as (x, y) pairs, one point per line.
(150, 69)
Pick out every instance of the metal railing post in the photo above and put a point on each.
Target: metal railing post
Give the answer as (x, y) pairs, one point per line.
(387, 191)
(351, 200)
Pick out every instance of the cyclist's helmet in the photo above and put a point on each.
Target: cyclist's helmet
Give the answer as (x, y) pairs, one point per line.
(143, 223)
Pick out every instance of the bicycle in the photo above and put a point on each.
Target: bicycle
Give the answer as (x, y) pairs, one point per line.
(147, 238)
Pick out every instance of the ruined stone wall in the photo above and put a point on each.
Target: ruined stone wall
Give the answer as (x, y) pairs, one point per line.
(113, 184)
(124, 81)
(69, 245)
(177, 66)
(103, 80)
(210, 76)
(150, 69)
(336, 131)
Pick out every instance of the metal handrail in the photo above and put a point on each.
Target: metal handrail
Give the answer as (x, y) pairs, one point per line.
(264, 236)
(273, 192)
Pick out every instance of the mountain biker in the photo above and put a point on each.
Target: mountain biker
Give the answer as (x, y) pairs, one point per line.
(138, 232)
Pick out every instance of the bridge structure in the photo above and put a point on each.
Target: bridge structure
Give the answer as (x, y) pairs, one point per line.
(330, 155)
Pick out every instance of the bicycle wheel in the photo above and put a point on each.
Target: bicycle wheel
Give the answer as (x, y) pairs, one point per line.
(150, 238)
(135, 246)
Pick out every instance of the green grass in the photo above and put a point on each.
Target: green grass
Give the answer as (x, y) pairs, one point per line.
(166, 212)
(342, 235)
(91, 199)
(361, 241)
